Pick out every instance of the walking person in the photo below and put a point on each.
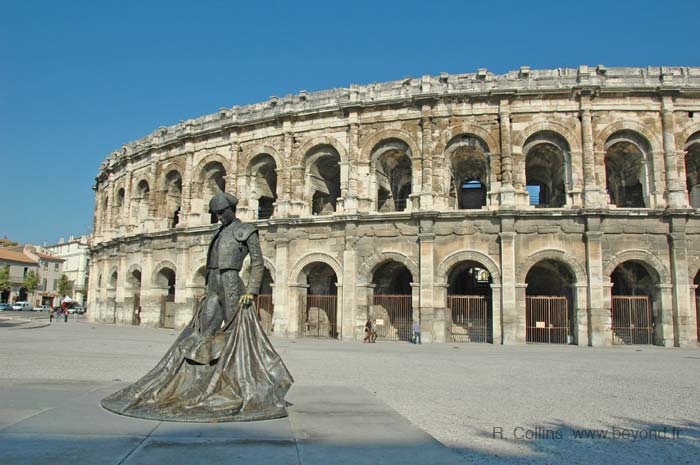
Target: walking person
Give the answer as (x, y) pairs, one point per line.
(368, 331)
(373, 331)
(51, 315)
(416, 333)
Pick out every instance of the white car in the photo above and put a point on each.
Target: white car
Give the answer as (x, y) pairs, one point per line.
(43, 308)
(21, 306)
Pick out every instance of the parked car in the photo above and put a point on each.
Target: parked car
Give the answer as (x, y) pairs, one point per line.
(21, 306)
(77, 309)
(5, 307)
(43, 308)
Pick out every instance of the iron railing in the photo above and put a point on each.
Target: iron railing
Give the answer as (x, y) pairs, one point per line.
(631, 320)
(318, 316)
(547, 320)
(398, 324)
(470, 318)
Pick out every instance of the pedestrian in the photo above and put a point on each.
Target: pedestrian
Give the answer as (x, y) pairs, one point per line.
(373, 330)
(51, 315)
(66, 312)
(416, 333)
(368, 331)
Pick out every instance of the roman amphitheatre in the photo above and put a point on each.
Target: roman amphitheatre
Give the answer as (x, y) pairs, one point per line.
(537, 206)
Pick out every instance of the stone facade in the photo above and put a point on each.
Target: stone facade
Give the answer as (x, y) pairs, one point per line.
(76, 253)
(577, 183)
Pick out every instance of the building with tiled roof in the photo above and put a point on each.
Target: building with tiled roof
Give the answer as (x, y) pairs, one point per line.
(19, 265)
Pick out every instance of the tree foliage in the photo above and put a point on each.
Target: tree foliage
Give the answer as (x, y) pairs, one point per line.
(65, 285)
(5, 278)
(31, 281)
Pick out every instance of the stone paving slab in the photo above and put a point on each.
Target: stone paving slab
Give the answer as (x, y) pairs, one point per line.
(336, 425)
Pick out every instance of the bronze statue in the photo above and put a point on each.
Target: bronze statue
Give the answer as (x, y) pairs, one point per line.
(222, 367)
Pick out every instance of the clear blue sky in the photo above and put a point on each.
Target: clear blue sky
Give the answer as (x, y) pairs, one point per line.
(80, 78)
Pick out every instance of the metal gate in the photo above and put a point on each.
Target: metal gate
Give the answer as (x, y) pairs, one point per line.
(318, 316)
(631, 320)
(265, 311)
(547, 319)
(167, 311)
(398, 323)
(470, 319)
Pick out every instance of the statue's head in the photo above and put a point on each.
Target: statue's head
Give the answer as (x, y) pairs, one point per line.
(223, 205)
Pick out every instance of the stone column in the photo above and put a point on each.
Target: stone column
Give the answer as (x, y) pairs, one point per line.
(282, 317)
(581, 314)
(665, 315)
(507, 190)
(426, 191)
(426, 279)
(150, 297)
(683, 308)
(187, 216)
(599, 321)
(298, 201)
(284, 180)
(351, 203)
(349, 316)
(295, 326)
(496, 314)
(513, 333)
(677, 197)
(182, 314)
(591, 189)
(122, 315)
(126, 208)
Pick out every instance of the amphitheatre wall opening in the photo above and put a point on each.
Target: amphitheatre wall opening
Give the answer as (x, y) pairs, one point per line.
(550, 312)
(469, 303)
(263, 185)
(468, 158)
(212, 180)
(318, 302)
(134, 288)
(392, 301)
(692, 169)
(141, 202)
(322, 186)
(627, 169)
(164, 282)
(172, 198)
(636, 298)
(547, 156)
(392, 170)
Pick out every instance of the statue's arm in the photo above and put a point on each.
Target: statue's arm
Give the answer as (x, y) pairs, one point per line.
(257, 267)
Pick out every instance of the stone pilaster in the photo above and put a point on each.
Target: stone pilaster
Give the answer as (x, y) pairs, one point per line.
(426, 280)
(351, 203)
(599, 321)
(677, 197)
(350, 269)
(684, 314)
(426, 191)
(282, 319)
(513, 323)
(507, 188)
(187, 216)
(591, 189)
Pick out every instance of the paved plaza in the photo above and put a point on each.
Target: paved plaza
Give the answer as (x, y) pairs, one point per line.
(357, 403)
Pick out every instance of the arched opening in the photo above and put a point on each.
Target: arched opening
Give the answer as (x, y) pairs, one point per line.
(546, 155)
(199, 283)
(141, 198)
(213, 180)
(469, 172)
(469, 303)
(391, 160)
(5, 297)
(134, 286)
(173, 197)
(322, 187)
(319, 304)
(263, 189)
(120, 199)
(165, 283)
(635, 303)
(392, 305)
(550, 313)
(626, 169)
(105, 213)
(692, 169)
(22, 295)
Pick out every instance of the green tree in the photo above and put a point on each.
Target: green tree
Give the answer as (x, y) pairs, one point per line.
(31, 281)
(65, 285)
(5, 278)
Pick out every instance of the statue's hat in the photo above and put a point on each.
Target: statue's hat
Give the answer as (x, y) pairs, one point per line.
(221, 201)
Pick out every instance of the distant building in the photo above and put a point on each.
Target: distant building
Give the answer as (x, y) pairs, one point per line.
(19, 265)
(76, 255)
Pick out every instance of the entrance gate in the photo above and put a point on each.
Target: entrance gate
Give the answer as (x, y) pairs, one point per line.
(470, 318)
(394, 317)
(547, 319)
(318, 316)
(167, 312)
(265, 311)
(631, 320)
